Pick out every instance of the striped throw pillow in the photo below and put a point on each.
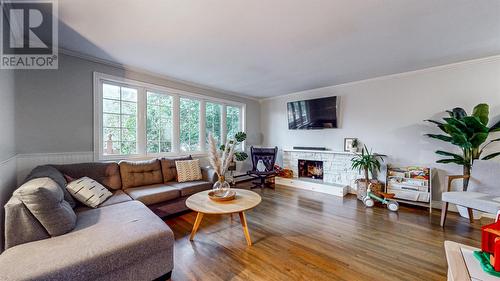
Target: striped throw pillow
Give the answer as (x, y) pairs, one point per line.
(188, 170)
(88, 191)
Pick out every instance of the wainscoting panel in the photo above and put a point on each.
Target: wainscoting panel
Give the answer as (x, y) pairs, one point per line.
(26, 162)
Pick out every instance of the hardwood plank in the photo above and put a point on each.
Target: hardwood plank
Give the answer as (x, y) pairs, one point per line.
(303, 235)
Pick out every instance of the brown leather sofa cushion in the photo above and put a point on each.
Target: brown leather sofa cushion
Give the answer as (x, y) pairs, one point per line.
(107, 174)
(153, 194)
(140, 173)
(168, 167)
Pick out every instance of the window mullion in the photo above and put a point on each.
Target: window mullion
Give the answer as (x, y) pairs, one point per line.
(223, 124)
(176, 125)
(203, 126)
(141, 121)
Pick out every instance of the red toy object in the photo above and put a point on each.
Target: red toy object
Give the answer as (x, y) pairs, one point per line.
(490, 242)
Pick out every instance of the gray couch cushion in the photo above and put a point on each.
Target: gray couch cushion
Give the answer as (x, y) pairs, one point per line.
(118, 196)
(20, 225)
(47, 171)
(45, 200)
(152, 194)
(107, 174)
(107, 244)
(475, 200)
(191, 187)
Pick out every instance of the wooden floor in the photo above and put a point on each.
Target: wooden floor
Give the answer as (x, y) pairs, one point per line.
(303, 235)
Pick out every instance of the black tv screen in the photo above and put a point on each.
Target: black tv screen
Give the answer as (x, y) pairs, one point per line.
(312, 114)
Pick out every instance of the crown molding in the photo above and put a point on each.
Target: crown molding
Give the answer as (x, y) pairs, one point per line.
(396, 75)
(140, 70)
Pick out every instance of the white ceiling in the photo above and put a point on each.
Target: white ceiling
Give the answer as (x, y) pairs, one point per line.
(263, 48)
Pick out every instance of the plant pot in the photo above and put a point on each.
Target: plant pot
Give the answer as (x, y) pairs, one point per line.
(362, 187)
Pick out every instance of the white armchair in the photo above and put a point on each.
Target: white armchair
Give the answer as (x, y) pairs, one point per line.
(483, 193)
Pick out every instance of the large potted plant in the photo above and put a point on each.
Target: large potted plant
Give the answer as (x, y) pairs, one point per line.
(470, 134)
(366, 162)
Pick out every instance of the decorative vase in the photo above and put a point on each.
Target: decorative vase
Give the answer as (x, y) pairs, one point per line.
(221, 187)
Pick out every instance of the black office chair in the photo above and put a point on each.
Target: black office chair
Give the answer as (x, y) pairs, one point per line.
(268, 157)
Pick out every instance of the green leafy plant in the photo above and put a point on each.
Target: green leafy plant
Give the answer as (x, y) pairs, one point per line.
(469, 133)
(366, 161)
(237, 139)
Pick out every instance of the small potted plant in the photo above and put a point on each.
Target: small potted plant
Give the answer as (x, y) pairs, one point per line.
(354, 147)
(365, 162)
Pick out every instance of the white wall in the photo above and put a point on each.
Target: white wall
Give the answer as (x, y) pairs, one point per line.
(54, 108)
(387, 113)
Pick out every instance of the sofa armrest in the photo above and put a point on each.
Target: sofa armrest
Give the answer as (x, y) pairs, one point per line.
(208, 174)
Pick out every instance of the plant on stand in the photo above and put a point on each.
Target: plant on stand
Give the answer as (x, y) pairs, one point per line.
(365, 162)
(239, 156)
(469, 133)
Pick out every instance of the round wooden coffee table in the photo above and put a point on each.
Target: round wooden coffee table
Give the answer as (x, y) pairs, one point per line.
(245, 200)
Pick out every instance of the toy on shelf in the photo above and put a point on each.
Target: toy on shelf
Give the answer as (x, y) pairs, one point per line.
(410, 184)
(489, 256)
(384, 198)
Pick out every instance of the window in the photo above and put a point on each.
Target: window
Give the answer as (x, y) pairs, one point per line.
(159, 123)
(190, 124)
(134, 119)
(119, 115)
(233, 123)
(213, 116)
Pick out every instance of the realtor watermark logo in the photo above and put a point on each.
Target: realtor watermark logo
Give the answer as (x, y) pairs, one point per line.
(29, 35)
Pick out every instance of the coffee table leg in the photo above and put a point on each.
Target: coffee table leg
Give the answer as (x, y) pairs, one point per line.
(197, 222)
(243, 220)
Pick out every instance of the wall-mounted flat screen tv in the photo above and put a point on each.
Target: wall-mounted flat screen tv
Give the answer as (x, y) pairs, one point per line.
(313, 114)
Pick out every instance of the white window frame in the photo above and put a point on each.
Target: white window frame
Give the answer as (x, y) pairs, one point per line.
(176, 94)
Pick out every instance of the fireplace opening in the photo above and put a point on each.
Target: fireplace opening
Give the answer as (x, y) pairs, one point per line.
(311, 169)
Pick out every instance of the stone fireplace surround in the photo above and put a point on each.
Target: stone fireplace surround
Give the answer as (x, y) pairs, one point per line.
(337, 172)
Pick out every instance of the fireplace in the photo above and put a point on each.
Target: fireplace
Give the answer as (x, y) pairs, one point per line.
(311, 169)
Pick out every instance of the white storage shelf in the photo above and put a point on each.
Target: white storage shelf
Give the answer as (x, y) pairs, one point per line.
(411, 185)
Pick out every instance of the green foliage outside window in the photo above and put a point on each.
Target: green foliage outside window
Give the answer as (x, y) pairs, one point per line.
(159, 123)
(190, 124)
(213, 113)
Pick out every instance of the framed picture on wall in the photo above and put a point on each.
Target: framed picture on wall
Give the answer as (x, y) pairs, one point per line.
(350, 144)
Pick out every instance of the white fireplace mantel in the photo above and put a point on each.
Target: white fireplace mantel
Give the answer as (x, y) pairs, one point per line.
(319, 151)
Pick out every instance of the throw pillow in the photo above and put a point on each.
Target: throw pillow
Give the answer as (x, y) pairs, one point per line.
(188, 170)
(168, 167)
(47, 171)
(45, 200)
(88, 191)
(68, 179)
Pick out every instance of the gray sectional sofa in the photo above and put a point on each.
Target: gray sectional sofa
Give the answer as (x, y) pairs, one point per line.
(122, 239)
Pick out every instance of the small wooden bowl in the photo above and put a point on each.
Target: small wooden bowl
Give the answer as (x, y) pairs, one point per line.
(229, 197)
